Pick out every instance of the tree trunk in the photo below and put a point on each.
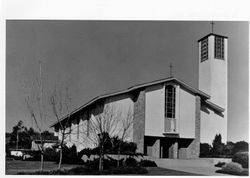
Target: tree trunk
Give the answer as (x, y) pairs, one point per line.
(101, 160)
(118, 155)
(42, 162)
(60, 159)
(61, 150)
(101, 157)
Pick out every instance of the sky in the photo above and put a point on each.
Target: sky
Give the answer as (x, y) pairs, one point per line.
(98, 57)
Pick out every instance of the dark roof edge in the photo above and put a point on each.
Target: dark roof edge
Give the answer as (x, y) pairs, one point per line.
(136, 87)
(213, 35)
(214, 106)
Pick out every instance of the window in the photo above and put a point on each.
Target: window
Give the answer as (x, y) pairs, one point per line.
(78, 122)
(88, 127)
(204, 49)
(88, 120)
(170, 101)
(219, 47)
(69, 131)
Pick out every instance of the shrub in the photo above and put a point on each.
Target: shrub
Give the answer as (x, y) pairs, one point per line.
(220, 164)
(131, 162)
(241, 158)
(107, 164)
(70, 156)
(88, 171)
(147, 163)
(240, 146)
(205, 150)
(50, 154)
(232, 168)
(127, 170)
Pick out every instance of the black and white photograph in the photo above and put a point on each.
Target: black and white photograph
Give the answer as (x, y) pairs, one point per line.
(126, 97)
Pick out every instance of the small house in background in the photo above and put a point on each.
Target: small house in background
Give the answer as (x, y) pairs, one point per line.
(170, 117)
(49, 142)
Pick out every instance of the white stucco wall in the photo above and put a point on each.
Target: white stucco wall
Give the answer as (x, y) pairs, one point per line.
(121, 105)
(187, 114)
(154, 110)
(184, 112)
(213, 81)
(124, 106)
(212, 124)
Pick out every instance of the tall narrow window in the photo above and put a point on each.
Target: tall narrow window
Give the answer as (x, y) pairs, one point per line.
(69, 131)
(88, 119)
(88, 127)
(170, 101)
(78, 122)
(219, 47)
(204, 49)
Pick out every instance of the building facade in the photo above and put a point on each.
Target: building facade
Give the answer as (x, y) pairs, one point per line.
(169, 117)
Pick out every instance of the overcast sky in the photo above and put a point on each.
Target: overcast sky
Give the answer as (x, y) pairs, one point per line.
(98, 57)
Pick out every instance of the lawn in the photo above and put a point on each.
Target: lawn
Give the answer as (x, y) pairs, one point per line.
(12, 167)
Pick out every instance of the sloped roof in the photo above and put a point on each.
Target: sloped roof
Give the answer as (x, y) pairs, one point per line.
(143, 85)
(213, 35)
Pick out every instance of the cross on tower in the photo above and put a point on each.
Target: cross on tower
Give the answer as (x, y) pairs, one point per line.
(212, 23)
(170, 67)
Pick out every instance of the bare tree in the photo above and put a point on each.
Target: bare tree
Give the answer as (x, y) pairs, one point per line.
(60, 103)
(34, 102)
(109, 120)
(103, 123)
(127, 123)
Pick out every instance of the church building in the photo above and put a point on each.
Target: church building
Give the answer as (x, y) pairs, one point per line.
(170, 117)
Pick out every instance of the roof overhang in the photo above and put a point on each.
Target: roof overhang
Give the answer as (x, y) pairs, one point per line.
(213, 34)
(214, 106)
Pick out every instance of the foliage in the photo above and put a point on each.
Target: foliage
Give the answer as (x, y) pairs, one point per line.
(131, 162)
(70, 156)
(51, 154)
(240, 147)
(218, 146)
(126, 170)
(24, 136)
(107, 163)
(111, 147)
(123, 170)
(228, 149)
(220, 150)
(88, 152)
(220, 164)
(147, 163)
(241, 158)
(205, 150)
(20, 134)
(232, 168)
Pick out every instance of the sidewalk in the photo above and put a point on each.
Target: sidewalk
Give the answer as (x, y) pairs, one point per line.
(195, 166)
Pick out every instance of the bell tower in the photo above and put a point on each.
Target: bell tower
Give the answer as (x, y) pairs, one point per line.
(213, 62)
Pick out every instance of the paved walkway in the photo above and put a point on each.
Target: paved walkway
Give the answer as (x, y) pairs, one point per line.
(196, 166)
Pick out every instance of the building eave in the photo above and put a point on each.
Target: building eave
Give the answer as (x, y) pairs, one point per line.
(214, 106)
(210, 35)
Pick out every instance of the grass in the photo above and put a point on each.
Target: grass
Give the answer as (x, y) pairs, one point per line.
(15, 166)
(29, 167)
(82, 170)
